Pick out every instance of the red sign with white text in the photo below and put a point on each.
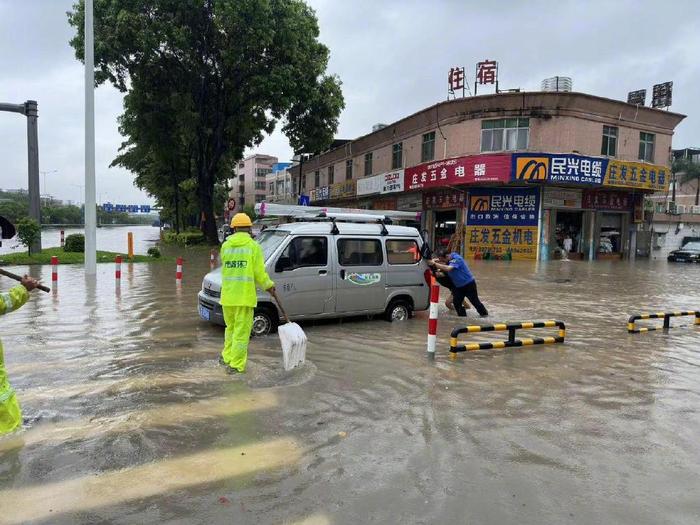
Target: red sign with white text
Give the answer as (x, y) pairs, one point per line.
(607, 200)
(459, 170)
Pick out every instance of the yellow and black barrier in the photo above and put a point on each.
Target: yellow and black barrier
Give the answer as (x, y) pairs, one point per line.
(666, 316)
(512, 341)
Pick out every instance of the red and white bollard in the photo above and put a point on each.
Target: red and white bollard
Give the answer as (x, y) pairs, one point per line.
(54, 270)
(63, 239)
(178, 271)
(432, 321)
(118, 268)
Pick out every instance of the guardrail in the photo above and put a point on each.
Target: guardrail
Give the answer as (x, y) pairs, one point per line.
(512, 341)
(666, 316)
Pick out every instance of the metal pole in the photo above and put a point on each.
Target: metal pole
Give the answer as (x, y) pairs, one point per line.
(90, 204)
(32, 114)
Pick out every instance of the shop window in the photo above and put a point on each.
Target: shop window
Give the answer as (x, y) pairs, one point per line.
(368, 164)
(505, 134)
(360, 252)
(305, 251)
(348, 169)
(317, 179)
(397, 156)
(427, 152)
(646, 146)
(402, 251)
(331, 175)
(609, 147)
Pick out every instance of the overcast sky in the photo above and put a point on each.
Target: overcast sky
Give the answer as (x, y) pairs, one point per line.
(392, 56)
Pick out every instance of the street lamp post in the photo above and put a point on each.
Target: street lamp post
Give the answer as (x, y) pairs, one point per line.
(44, 173)
(90, 204)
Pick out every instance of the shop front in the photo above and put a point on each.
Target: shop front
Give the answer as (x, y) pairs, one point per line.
(613, 216)
(567, 224)
(443, 216)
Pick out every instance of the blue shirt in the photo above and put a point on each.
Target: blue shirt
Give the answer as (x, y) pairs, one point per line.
(460, 275)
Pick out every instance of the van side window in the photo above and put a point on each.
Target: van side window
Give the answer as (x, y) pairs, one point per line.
(402, 251)
(360, 252)
(307, 251)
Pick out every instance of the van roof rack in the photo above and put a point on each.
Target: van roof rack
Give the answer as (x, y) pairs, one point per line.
(267, 209)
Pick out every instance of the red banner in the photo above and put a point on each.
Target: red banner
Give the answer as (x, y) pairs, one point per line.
(460, 170)
(607, 200)
(443, 199)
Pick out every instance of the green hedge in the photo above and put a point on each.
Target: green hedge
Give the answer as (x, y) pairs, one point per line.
(75, 243)
(189, 238)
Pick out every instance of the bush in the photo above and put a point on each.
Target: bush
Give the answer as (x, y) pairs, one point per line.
(28, 231)
(75, 243)
(188, 238)
(154, 252)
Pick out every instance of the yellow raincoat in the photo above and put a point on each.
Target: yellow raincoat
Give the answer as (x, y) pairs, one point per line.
(10, 413)
(242, 269)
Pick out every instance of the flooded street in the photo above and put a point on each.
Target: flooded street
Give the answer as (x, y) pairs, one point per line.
(129, 419)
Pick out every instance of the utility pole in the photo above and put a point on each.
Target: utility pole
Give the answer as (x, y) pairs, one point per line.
(29, 109)
(90, 204)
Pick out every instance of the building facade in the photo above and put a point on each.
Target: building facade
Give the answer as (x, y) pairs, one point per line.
(522, 175)
(279, 184)
(249, 183)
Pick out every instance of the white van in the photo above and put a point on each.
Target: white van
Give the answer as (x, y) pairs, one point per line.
(328, 269)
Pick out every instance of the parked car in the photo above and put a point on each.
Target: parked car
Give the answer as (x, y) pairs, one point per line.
(327, 270)
(690, 252)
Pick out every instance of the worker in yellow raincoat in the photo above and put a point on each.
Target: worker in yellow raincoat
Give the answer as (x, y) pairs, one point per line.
(10, 413)
(242, 269)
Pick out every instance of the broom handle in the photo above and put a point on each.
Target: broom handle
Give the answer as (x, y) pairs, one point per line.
(19, 278)
(279, 303)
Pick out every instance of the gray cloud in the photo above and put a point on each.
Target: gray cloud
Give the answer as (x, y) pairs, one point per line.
(392, 57)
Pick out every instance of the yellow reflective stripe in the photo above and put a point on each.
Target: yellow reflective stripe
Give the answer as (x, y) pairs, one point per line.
(472, 346)
(661, 314)
(643, 329)
(238, 251)
(630, 326)
(527, 325)
(499, 344)
(473, 328)
(644, 316)
(562, 333)
(453, 342)
(550, 324)
(527, 341)
(548, 340)
(500, 326)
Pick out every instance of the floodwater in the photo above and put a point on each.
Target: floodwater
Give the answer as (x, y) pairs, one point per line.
(109, 238)
(129, 419)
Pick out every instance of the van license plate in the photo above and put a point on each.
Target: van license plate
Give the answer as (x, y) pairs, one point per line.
(204, 313)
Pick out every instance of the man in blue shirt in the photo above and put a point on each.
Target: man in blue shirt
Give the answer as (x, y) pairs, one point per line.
(464, 282)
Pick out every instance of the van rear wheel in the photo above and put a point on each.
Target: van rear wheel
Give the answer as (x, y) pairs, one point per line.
(398, 310)
(264, 322)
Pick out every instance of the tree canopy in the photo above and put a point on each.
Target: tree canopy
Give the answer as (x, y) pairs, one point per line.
(203, 81)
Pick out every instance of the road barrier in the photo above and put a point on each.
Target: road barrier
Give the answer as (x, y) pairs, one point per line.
(666, 316)
(130, 245)
(512, 341)
(118, 268)
(54, 270)
(178, 271)
(432, 319)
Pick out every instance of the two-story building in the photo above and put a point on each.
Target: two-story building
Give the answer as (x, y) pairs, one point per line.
(509, 174)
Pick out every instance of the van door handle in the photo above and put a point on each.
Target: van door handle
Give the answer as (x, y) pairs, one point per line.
(342, 274)
(322, 272)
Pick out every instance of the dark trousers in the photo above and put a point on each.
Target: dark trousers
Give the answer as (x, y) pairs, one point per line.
(468, 291)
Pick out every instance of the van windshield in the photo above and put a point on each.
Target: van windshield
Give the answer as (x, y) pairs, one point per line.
(269, 240)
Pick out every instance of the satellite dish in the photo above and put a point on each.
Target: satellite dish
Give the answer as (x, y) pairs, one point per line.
(7, 228)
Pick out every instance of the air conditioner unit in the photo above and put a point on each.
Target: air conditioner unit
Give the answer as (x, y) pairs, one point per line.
(680, 208)
(695, 209)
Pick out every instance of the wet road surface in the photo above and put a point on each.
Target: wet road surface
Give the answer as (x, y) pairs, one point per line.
(130, 419)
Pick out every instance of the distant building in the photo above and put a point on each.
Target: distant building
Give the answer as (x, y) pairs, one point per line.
(279, 184)
(249, 185)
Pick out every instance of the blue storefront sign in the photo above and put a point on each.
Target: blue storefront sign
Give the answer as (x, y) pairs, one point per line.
(558, 168)
(126, 208)
(503, 206)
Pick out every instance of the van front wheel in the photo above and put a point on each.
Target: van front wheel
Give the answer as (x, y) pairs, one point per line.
(398, 310)
(264, 322)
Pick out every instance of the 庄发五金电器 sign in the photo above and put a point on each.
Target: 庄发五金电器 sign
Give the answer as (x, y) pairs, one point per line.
(558, 168)
(471, 169)
(637, 175)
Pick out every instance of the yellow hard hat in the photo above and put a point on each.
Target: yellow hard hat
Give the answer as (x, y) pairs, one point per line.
(241, 220)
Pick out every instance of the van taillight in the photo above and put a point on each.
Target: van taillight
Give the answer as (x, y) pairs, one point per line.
(428, 275)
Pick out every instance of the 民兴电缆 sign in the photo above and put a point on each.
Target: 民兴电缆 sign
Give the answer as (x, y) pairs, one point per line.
(558, 168)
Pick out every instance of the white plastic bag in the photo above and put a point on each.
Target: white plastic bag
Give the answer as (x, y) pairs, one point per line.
(293, 340)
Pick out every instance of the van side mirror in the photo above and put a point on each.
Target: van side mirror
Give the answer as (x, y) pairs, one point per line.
(283, 264)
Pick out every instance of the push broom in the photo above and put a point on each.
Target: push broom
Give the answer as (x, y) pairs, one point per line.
(293, 340)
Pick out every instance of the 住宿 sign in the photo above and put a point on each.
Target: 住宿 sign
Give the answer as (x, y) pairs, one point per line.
(558, 168)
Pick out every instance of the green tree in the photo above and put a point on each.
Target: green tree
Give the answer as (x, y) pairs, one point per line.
(28, 231)
(685, 170)
(206, 79)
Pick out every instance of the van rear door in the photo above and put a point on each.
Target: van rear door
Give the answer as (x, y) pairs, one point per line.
(361, 275)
